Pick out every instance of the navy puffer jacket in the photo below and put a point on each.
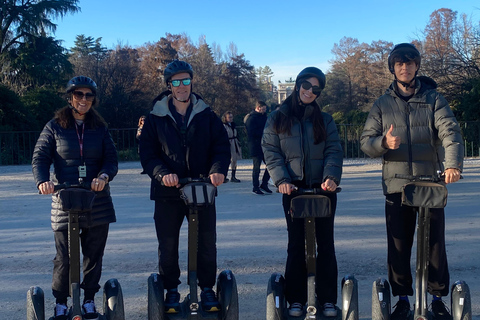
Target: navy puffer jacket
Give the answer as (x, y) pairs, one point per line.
(61, 147)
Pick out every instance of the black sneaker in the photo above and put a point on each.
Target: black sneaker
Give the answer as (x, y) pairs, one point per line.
(209, 300)
(60, 312)
(440, 311)
(225, 180)
(233, 179)
(265, 189)
(172, 301)
(257, 191)
(402, 310)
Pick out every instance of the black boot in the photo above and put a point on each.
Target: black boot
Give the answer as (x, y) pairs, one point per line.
(233, 179)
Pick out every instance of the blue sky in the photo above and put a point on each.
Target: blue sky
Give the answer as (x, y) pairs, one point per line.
(285, 35)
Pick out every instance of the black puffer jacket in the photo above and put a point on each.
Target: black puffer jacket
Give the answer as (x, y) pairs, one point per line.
(430, 136)
(61, 147)
(255, 123)
(202, 150)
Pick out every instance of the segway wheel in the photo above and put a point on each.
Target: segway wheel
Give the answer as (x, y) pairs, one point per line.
(276, 303)
(227, 295)
(349, 298)
(35, 304)
(156, 305)
(113, 300)
(381, 300)
(461, 303)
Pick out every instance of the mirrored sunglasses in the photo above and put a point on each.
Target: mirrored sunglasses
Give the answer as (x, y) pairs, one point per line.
(79, 95)
(315, 89)
(186, 82)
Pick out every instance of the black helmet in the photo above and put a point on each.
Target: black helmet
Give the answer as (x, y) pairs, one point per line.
(311, 72)
(176, 67)
(403, 52)
(81, 82)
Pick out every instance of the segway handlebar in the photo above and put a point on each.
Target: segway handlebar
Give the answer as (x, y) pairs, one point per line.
(429, 178)
(83, 185)
(319, 191)
(184, 181)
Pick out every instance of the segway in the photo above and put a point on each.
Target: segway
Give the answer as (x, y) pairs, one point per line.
(198, 194)
(77, 200)
(423, 192)
(309, 204)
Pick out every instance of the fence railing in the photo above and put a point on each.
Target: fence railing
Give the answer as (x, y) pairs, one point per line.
(17, 147)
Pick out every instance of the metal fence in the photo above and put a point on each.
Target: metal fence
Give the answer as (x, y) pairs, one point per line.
(17, 147)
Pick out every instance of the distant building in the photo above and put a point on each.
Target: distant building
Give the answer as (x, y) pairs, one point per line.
(284, 90)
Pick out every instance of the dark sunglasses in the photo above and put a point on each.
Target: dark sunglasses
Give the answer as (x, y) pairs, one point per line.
(315, 89)
(186, 82)
(79, 95)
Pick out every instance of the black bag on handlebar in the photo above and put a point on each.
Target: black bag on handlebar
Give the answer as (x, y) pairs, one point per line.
(198, 194)
(306, 206)
(76, 199)
(424, 194)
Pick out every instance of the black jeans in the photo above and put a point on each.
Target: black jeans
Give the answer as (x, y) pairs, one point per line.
(326, 262)
(169, 216)
(92, 241)
(257, 162)
(401, 223)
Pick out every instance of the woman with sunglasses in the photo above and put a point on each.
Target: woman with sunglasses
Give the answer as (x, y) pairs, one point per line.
(77, 142)
(302, 150)
(182, 137)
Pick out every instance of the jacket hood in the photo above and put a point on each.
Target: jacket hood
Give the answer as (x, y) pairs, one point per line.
(160, 107)
(422, 83)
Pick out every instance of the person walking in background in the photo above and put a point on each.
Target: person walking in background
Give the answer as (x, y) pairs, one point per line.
(235, 148)
(255, 122)
(414, 130)
(183, 138)
(302, 150)
(78, 144)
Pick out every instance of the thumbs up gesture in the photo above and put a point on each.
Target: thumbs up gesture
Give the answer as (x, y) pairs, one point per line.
(390, 141)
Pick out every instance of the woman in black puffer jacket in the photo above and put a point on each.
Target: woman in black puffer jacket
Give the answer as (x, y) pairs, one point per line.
(77, 140)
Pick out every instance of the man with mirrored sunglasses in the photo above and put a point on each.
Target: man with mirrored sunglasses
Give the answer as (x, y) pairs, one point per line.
(182, 137)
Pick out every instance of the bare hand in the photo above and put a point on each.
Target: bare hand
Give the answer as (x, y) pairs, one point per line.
(217, 179)
(451, 175)
(286, 188)
(329, 185)
(97, 184)
(46, 187)
(170, 180)
(390, 141)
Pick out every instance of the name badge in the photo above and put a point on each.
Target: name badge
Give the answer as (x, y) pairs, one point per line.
(82, 171)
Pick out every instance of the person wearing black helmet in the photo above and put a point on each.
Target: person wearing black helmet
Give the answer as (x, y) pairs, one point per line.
(302, 150)
(182, 137)
(78, 144)
(414, 130)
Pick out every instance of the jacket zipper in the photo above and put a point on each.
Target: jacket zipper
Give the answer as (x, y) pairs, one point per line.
(409, 140)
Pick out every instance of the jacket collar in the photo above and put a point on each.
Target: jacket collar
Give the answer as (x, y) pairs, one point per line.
(160, 108)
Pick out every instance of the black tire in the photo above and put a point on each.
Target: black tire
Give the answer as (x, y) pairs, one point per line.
(35, 304)
(276, 303)
(381, 300)
(349, 298)
(156, 305)
(227, 295)
(113, 307)
(461, 302)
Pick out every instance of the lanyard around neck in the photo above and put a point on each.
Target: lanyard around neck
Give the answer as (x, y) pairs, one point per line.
(80, 138)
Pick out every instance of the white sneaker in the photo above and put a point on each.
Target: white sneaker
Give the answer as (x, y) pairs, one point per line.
(296, 309)
(329, 310)
(89, 310)
(61, 311)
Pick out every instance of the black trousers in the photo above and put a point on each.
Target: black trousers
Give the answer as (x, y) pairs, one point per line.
(92, 242)
(401, 225)
(326, 262)
(169, 216)
(257, 162)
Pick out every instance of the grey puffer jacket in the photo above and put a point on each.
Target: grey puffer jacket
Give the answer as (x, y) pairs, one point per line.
(295, 157)
(61, 147)
(431, 139)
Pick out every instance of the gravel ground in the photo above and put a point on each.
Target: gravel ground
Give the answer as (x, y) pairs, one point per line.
(251, 232)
